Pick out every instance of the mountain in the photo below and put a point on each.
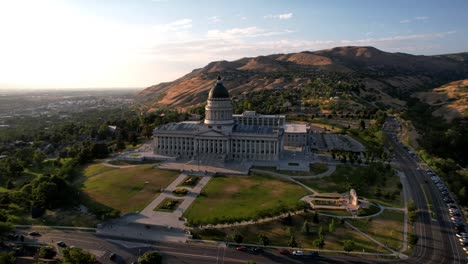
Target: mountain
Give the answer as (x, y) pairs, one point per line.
(379, 78)
(449, 101)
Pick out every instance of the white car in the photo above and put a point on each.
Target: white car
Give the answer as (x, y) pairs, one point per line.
(298, 253)
(462, 235)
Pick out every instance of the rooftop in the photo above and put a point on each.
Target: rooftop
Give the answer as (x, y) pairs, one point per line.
(295, 128)
(252, 129)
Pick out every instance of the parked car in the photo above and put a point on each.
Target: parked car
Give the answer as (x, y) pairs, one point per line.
(257, 250)
(313, 254)
(34, 233)
(463, 234)
(112, 256)
(298, 253)
(241, 248)
(284, 252)
(61, 244)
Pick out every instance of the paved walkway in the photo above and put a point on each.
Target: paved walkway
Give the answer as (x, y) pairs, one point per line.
(170, 219)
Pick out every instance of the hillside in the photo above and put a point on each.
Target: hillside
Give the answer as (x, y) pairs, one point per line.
(449, 101)
(364, 76)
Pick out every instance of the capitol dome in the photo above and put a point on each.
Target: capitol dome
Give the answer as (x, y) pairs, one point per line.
(218, 109)
(218, 91)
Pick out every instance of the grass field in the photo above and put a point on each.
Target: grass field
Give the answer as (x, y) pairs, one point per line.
(386, 228)
(125, 189)
(95, 169)
(279, 233)
(340, 181)
(315, 169)
(243, 197)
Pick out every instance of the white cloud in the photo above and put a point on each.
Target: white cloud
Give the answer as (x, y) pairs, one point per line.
(419, 18)
(280, 16)
(247, 32)
(214, 19)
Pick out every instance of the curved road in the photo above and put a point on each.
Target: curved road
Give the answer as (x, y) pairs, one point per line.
(437, 241)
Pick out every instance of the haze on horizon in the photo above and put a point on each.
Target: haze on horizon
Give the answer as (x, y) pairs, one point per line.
(72, 44)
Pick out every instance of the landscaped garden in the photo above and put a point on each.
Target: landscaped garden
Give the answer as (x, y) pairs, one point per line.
(303, 228)
(190, 181)
(376, 182)
(124, 189)
(237, 198)
(168, 205)
(387, 228)
(180, 192)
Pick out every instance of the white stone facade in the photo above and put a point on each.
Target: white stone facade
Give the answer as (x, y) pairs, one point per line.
(220, 136)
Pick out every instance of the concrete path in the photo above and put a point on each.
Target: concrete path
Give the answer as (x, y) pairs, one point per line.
(170, 219)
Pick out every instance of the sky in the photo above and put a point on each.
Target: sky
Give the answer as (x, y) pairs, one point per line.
(138, 43)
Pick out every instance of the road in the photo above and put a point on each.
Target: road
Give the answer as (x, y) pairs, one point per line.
(173, 253)
(437, 241)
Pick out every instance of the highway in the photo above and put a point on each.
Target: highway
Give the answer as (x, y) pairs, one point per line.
(437, 241)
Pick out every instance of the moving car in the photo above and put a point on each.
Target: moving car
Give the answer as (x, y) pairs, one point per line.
(241, 248)
(298, 253)
(284, 252)
(313, 254)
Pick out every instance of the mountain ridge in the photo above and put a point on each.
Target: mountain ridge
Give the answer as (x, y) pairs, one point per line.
(387, 75)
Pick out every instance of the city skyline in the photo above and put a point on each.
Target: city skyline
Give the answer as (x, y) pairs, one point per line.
(72, 44)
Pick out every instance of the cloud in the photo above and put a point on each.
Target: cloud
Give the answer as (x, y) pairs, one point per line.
(419, 18)
(280, 16)
(180, 24)
(247, 32)
(214, 19)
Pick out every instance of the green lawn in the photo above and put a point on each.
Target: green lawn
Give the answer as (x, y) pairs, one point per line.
(230, 198)
(96, 169)
(126, 189)
(386, 228)
(278, 233)
(385, 190)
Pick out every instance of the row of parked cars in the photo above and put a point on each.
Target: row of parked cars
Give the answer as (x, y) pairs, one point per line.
(455, 214)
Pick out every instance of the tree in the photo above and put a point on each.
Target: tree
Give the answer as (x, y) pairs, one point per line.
(38, 157)
(362, 124)
(288, 219)
(292, 241)
(348, 245)
(315, 219)
(150, 257)
(320, 232)
(331, 226)
(7, 257)
(77, 256)
(305, 227)
(412, 239)
(5, 228)
(238, 238)
(319, 242)
(47, 252)
(263, 239)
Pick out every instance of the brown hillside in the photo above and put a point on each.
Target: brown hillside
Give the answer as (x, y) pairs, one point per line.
(384, 74)
(450, 100)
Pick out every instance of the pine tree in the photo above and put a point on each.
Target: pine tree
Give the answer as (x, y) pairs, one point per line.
(331, 226)
(305, 227)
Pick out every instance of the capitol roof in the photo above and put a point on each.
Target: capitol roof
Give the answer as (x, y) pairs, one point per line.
(218, 91)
